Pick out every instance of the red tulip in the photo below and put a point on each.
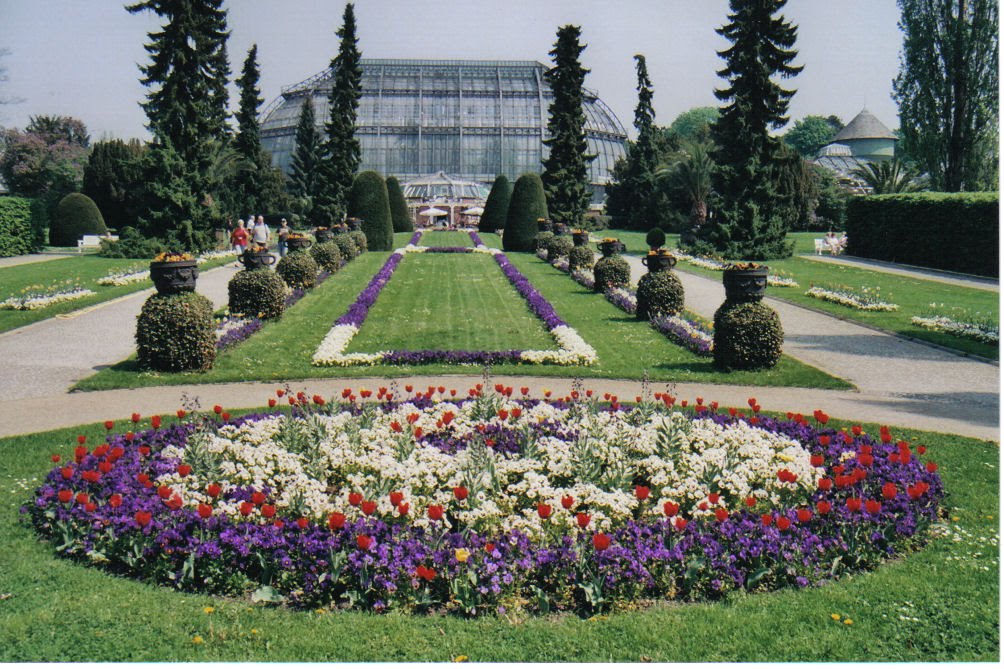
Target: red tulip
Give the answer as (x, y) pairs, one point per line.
(225, 416)
(55, 457)
(804, 515)
(766, 520)
(143, 518)
(856, 429)
(302, 523)
(205, 510)
(271, 402)
(117, 452)
(217, 409)
(213, 489)
(180, 413)
(115, 501)
(258, 498)
(80, 452)
(680, 523)
(889, 491)
(66, 473)
(582, 519)
(268, 510)
(144, 450)
(824, 440)
(143, 477)
(503, 414)
(721, 514)
(355, 498)
(750, 501)
(65, 496)
(866, 460)
(873, 506)
(135, 417)
(369, 507)
(246, 508)
(164, 492)
(783, 523)
(567, 502)
(155, 422)
(336, 521)
(460, 492)
(714, 498)
(364, 542)
(854, 504)
(921, 450)
(403, 509)
(435, 512)
(825, 483)
(670, 509)
(816, 460)
(544, 511)
(601, 542)
(396, 498)
(184, 470)
(641, 492)
(109, 424)
(931, 467)
(823, 507)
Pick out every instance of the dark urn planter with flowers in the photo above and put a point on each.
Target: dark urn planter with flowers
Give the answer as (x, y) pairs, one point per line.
(354, 224)
(174, 276)
(256, 258)
(298, 243)
(611, 247)
(659, 261)
(580, 238)
(545, 225)
(323, 235)
(745, 283)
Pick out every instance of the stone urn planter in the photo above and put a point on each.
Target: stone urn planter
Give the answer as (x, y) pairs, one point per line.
(354, 224)
(659, 261)
(580, 238)
(323, 235)
(298, 243)
(174, 273)
(745, 282)
(610, 247)
(544, 225)
(256, 258)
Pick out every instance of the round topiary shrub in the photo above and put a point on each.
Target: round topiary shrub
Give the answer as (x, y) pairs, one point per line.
(541, 239)
(558, 246)
(298, 270)
(655, 238)
(257, 292)
(580, 257)
(327, 256)
(175, 333)
(611, 271)
(359, 238)
(748, 335)
(659, 293)
(76, 215)
(346, 246)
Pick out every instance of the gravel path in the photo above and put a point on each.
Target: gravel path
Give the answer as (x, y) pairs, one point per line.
(14, 261)
(964, 280)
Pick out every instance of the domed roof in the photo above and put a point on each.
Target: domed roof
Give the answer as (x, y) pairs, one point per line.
(864, 126)
(440, 185)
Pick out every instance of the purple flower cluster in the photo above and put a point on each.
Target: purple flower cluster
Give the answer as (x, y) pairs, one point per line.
(538, 303)
(107, 503)
(623, 299)
(683, 335)
(359, 309)
(449, 249)
(451, 357)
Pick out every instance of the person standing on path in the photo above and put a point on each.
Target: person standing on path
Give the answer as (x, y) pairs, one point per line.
(239, 240)
(261, 233)
(282, 233)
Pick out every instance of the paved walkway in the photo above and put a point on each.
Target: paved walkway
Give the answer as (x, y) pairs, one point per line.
(898, 382)
(14, 261)
(953, 278)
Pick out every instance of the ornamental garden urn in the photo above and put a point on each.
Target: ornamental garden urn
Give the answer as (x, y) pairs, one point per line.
(297, 242)
(580, 237)
(256, 257)
(174, 273)
(745, 282)
(659, 260)
(323, 235)
(610, 246)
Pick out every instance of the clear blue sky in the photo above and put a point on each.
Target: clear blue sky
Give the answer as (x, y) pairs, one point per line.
(80, 58)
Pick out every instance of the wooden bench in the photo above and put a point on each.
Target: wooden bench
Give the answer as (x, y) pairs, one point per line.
(93, 241)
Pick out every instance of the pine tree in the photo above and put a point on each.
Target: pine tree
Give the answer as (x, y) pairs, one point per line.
(303, 178)
(341, 148)
(751, 218)
(565, 174)
(248, 183)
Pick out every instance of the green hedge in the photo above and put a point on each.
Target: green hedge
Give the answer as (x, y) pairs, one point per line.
(15, 226)
(950, 231)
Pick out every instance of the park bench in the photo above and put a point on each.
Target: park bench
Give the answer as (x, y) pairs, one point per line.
(93, 241)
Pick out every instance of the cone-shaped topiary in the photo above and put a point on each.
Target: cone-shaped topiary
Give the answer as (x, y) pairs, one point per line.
(580, 257)
(655, 238)
(558, 246)
(346, 246)
(611, 271)
(541, 239)
(326, 255)
(748, 335)
(359, 239)
(368, 200)
(298, 270)
(257, 292)
(496, 206)
(659, 293)
(76, 215)
(526, 205)
(175, 333)
(399, 217)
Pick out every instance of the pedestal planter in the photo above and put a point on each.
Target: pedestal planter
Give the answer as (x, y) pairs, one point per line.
(298, 243)
(354, 224)
(323, 235)
(174, 277)
(544, 225)
(745, 285)
(659, 262)
(611, 248)
(255, 259)
(580, 238)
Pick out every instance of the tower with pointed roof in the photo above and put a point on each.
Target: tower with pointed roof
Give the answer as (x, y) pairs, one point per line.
(868, 138)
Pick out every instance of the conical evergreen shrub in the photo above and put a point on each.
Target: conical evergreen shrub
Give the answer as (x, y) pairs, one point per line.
(76, 215)
(525, 207)
(368, 200)
(399, 216)
(496, 206)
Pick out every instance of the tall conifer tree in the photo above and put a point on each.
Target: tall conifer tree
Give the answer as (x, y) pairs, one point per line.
(566, 168)
(251, 179)
(751, 218)
(341, 148)
(304, 177)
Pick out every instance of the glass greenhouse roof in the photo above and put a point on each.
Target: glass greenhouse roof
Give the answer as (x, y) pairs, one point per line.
(471, 119)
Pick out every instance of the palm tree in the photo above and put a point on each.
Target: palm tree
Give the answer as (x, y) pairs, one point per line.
(891, 176)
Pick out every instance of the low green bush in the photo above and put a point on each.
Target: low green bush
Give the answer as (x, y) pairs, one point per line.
(541, 239)
(659, 293)
(257, 292)
(748, 335)
(558, 246)
(655, 238)
(15, 227)
(360, 240)
(346, 246)
(580, 257)
(76, 215)
(175, 333)
(298, 270)
(327, 255)
(131, 244)
(611, 271)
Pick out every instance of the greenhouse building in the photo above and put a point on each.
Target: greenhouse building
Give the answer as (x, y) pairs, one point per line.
(472, 120)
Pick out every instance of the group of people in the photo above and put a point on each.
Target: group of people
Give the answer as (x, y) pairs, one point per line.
(835, 244)
(256, 231)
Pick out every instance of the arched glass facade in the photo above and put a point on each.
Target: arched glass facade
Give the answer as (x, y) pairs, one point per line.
(471, 119)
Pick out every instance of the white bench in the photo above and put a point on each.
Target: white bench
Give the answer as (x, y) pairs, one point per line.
(93, 241)
(821, 246)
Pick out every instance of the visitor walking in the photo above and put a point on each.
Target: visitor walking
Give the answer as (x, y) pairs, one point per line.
(260, 233)
(282, 234)
(239, 240)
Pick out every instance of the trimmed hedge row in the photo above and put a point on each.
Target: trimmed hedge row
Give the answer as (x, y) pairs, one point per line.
(15, 226)
(950, 231)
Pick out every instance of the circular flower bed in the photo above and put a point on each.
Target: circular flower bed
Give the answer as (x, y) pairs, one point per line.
(492, 502)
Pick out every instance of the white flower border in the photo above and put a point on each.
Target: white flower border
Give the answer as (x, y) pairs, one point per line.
(32, 302)
(850, 300)
(957, 328)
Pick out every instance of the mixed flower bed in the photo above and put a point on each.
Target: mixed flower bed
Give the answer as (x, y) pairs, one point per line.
(867, 299)
(40, 296)
(960, 323)
(488, 503)
(779, 279)
(126, 277)
(572, 348)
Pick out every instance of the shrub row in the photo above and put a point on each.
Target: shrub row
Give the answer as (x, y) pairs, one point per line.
(950, 231)
(15, 226)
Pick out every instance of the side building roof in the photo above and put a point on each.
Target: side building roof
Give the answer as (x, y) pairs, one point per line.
(864, 126)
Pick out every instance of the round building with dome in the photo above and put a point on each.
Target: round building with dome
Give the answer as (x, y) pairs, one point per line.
(472, 120)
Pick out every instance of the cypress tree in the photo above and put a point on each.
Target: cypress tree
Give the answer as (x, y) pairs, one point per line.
(368, 200)
(341, 148)
(751, 218)
(400, 218)
(303, 178)
(527, 204)
(496, 206)
(566, 167)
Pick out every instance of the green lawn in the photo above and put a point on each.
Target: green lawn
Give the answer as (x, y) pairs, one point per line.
(938, 604)
(440, 238)
(86, 268)
(912, 295)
